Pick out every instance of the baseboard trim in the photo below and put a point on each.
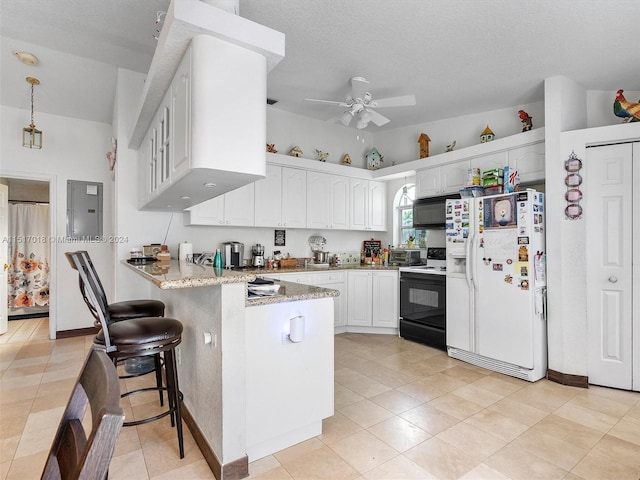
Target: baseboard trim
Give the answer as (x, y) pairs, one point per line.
(77, 332)
(230, 471)
(581, 381)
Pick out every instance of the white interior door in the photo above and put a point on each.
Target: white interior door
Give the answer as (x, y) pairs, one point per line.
(609, 221)
(4, 232)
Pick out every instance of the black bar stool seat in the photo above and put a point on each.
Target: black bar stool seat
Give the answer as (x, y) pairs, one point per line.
(142, 336)
(135, 309)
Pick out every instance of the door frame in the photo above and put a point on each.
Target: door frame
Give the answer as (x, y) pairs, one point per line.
(53, 234)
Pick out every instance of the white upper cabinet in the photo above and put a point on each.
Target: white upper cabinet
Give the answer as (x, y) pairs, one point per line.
(327, 201)
(281, 198)
(210, 126)
(443, 180)
(235, 208)
(368, 209)
(528, 161)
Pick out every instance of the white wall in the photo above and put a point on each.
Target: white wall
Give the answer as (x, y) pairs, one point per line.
(401, 144)
(72, 150)
(566, 105)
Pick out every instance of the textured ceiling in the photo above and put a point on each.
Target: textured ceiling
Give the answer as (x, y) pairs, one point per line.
(457, 57)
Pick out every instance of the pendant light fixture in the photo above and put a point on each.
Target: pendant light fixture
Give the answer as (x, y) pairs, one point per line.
(31, 136)
(405, 199)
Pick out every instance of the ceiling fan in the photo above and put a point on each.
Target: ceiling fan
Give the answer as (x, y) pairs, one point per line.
(359, 104)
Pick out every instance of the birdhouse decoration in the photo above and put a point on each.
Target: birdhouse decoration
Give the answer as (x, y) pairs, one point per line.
(322, 156)
(629, 112)
(374, 159)
(487, 135)
(525, 119)
(424, 140)
(271, 148)
(295, 152)
(346, 159)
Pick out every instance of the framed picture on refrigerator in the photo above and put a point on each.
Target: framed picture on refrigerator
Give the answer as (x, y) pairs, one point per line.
(500, 212)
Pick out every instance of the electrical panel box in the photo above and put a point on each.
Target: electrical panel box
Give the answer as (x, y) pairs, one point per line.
(84, 210)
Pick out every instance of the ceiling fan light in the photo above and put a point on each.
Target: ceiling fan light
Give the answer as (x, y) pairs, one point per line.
(361, 124)
(346, 118)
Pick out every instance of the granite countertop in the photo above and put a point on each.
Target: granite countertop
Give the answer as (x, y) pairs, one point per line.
(173, 274)
(309, 269)
(291, 292)
(176, 275)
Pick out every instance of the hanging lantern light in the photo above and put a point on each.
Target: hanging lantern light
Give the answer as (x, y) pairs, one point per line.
(31, 136)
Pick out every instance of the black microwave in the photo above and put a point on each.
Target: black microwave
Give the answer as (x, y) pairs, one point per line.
(429, 213)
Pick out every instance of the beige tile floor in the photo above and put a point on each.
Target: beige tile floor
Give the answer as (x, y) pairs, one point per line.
(402, 411)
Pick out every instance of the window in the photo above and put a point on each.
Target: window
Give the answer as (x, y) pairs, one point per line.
(404, 214)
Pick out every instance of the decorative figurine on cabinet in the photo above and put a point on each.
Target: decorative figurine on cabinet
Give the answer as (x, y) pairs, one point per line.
(450, 147)
(424, 140)
(346, 160)
(374, 159)
(487, 135)
(322, 156)
(295, 152)
(627, 110)
(526, 120)
(271, 148)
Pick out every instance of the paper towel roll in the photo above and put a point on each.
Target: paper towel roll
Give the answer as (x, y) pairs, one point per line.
(185, 252)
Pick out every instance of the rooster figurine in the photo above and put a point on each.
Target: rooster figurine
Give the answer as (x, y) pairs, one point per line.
(623, 109)
(526, 120)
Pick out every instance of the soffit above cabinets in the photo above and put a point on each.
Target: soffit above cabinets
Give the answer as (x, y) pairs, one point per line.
(184, 20)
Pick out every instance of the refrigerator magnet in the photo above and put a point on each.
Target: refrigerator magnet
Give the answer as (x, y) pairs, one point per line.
(508, 279)
(524, 284)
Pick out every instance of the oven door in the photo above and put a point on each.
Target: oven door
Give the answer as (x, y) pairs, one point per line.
(422, 308)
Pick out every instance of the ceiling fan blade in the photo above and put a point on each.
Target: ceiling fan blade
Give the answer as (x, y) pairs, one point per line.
(331, 102)
(401, 101)
(377, 118)
(359, 87)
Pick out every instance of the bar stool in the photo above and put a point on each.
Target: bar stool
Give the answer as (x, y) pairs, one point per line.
(135, 337)
(126, 310)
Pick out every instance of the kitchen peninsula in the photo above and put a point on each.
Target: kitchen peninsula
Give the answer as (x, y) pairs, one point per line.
(256, 373)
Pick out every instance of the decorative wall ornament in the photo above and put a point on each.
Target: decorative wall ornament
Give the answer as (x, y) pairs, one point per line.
(112, 155)
(487, 135)
(627, 110)
(295, 151)
(450, 147)
(526, 120)
(573, 180)
(374, 159)
(424, 140)
(322, 156)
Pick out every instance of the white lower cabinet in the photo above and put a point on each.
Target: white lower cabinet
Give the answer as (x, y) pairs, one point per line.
(334, 280)
(372, 298)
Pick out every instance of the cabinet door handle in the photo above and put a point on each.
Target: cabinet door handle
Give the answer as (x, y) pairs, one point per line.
(613, 279)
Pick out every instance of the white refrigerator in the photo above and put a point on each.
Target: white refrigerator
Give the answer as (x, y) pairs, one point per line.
(496, 285)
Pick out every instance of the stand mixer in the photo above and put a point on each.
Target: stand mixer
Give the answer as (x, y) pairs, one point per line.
(258, 255)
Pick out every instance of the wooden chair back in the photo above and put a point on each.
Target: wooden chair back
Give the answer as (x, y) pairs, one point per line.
(73, 454)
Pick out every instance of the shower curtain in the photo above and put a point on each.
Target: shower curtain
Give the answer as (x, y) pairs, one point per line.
(28, 275)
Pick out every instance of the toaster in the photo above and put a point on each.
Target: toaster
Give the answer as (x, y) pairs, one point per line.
(403, 257)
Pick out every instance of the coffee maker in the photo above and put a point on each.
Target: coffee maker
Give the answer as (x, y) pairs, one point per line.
(233, 254)
(258, 255)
